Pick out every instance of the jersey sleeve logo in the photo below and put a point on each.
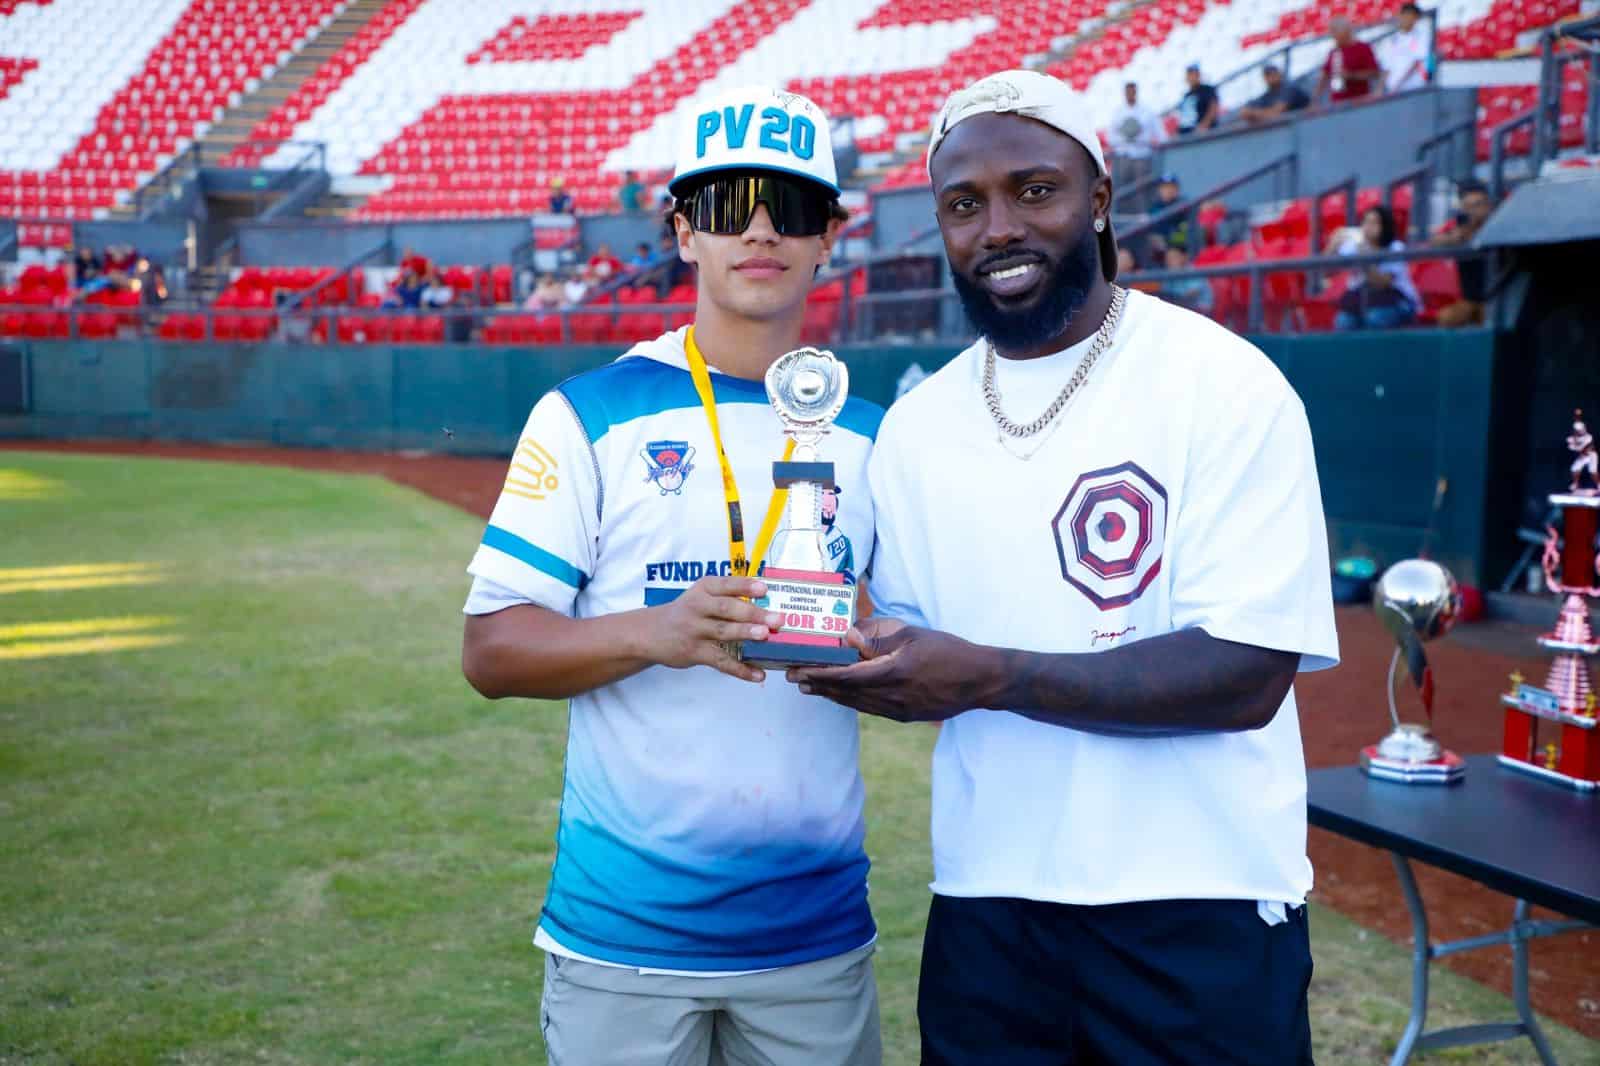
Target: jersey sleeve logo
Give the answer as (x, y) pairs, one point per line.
(1110, 534)
(668, 464)
(533, 471)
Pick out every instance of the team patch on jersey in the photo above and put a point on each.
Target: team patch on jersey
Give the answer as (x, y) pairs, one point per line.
(667, 464)
(1110, 534)
(533, 471)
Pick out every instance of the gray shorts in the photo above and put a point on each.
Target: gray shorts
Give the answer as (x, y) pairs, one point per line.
(822, 1013)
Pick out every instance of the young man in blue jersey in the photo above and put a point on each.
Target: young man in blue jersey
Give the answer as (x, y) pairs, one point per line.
(708, 901)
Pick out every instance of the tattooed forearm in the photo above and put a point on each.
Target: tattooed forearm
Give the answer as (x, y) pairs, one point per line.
(1180, 683)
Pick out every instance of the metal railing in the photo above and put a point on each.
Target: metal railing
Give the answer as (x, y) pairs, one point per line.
(298, 300)
(1283, 56)
(1256, 272)
(1499, 152)
(1460, 139)
(857, 316)
(187, 164)
(1190, 209)
(845, 275)
(1545, 115)
(586, 323)
(1418, 178)
(1350, 187)
(314, 160)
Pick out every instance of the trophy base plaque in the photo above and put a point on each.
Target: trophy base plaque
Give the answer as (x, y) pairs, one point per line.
(1411, 756)
(818, 608)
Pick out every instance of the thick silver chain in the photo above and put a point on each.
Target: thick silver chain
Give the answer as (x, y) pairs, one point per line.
(1102, 340)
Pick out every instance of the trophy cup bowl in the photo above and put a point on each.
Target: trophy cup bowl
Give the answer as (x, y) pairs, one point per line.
(1417, 600)
(807, 388)
(1423, 593)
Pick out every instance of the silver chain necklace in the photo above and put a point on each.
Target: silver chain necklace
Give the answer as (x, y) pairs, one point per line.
(1102, 340)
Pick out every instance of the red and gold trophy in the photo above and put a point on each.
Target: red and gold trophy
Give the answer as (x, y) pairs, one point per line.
(807, 388)
(1567, 700)
(1417, 600)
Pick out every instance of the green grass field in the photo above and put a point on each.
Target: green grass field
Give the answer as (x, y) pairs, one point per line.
(252, 813)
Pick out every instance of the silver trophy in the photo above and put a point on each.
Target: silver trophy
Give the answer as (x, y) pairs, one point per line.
(807, 388)
(1417, 600)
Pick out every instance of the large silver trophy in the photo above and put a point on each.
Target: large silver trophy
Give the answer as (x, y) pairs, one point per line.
(807, 388)
(1417, 600)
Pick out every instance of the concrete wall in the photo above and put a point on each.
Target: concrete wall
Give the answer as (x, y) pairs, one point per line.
(1390, 413)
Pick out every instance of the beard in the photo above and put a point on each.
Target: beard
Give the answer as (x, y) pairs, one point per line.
(1066, 287)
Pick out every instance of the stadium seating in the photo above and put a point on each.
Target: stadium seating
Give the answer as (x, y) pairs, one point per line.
(95, 101)
(314, 92)
(580, 96)
(1467, 30)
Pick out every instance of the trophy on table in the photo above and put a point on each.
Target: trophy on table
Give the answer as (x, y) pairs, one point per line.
(1565, 705)
(807, 388)
(1417, 600)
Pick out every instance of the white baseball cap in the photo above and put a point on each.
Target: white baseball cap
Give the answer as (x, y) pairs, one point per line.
(755, 127)
(1032, 95)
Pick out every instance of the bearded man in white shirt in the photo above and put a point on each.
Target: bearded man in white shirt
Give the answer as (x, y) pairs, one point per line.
(1101, 560)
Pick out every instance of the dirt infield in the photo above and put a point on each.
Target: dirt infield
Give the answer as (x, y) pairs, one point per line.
(1341, 710)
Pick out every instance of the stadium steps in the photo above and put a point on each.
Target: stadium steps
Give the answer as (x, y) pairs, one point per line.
(206, 282)
(1079, 42)
(237, 125)
(1075, 42)
(1063, 48)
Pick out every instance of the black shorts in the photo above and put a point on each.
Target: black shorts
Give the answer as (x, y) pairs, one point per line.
(1014, 982)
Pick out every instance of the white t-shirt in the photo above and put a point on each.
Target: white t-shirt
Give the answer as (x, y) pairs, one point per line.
(1403, 55)
(706, 824)
(1178, 490)
(1134, 131)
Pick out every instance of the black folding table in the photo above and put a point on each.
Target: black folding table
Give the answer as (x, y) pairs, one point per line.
(1533, 840)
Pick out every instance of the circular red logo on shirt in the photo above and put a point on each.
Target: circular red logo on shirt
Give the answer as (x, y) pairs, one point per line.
(1110, 533)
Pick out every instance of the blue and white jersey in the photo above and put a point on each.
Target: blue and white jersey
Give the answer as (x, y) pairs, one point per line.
(707, 824)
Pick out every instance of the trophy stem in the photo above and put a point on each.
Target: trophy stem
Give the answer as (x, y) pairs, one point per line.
(1394, 663)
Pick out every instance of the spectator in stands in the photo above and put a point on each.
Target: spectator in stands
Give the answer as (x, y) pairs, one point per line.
(1351, 71)
(1134, 132)
(85, 267)
(1197, 111)
(576, 289)
(1406, 51)
(121, 259)
(560, 199)
(407, 291)
(1382, 295)
(150, 282)
(1193, 293)
(548, 295)
(1128, 263)
(630, 194)
(435, 293)
(641, 258)
(673, 270)
(603, 264)
(1169, 231)
(91, 273)
(1281, 97)
(1474, 210)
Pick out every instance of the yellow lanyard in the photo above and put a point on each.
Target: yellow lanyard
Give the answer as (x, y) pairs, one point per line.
(730, 489)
